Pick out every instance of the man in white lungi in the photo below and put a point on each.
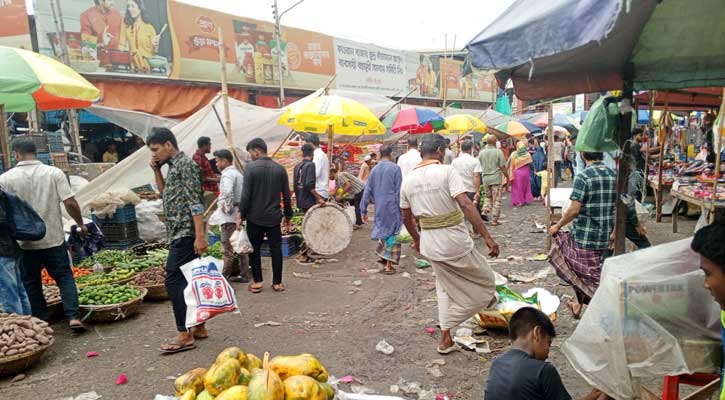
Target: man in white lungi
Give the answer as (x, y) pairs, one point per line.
(435, 195)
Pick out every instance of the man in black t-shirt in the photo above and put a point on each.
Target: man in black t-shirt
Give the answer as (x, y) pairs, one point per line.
(305, 194)
(522, 373)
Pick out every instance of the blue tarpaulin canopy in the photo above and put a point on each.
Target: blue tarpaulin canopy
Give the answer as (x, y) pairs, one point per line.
(558, 48)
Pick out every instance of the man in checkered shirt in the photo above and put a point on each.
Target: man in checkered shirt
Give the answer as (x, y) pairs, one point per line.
(577, 255)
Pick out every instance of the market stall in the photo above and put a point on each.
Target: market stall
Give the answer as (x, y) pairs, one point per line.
(699, 194)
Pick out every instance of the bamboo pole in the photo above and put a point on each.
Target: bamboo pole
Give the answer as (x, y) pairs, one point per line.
(330, 142)
(4, 139)
(549, 170)
(717, 143)
(225, 102)
(661, 141)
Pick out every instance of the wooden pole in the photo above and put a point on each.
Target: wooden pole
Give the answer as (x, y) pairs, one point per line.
(651, 128)
(549, 169)
(625, 135)
(4, 139)
(330, 142)
(717, 143)
(661, 141)
(72, 114)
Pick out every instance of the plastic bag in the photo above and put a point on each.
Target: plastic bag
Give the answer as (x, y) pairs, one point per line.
(650, 317)
(509, 301)
(599, 130)
(240, 242)
(150, 227)
(207, 293)
(83, 247)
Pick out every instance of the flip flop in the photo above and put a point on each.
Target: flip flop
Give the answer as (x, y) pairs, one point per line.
(389, 271)
(279, 288)
(255, 289)
(182, 347)
(78, 328)
(449, 350)
(306, 261)
(199, 337)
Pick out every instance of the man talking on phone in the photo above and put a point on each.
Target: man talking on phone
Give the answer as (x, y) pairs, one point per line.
(184, 209)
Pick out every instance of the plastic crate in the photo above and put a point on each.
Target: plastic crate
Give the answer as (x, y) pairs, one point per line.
(39, 139)
(60, 160)
(123, 214)
(55, 142)
(290, 246)
(123, 245)
(119, 232)
(45, 157)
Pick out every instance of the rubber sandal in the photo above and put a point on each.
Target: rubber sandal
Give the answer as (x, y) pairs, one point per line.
(449, 350)
(255, 289)
(306, 261)
(199, 337)
(392, 271)
(182, 347)
(78, 328)
(279, 288)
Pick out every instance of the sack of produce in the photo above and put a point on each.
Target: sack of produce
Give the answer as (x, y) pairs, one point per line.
(150, 228)
(303, 364)
(237, 392)
(207, 293)
(302, 387)
(266, 384)
(193, 379)
(222, 375)
(240, 242)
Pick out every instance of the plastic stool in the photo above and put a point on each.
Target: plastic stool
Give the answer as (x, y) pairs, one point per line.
(671, 384)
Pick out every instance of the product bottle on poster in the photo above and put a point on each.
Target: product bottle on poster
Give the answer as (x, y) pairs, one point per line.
(268, 68)
(249, 67)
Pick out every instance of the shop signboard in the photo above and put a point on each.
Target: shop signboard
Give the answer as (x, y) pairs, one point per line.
(369, 68)
(14, 29)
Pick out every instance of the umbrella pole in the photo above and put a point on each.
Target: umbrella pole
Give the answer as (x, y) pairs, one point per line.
(549, 170)
(717, 141)
(330, 140)
(4, 139)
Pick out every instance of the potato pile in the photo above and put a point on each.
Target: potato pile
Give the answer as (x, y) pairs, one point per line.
(151, 277)
(52, 294)
(21, 334)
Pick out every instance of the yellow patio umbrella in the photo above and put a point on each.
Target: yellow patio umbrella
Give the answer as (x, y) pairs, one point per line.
(334, 115)
(461, 124)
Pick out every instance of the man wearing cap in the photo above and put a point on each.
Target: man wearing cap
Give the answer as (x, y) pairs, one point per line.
(365, 168)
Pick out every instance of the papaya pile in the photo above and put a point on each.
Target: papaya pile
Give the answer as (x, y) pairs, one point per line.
(237, 375)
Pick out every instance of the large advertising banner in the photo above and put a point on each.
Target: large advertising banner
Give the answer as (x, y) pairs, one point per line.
(110, 37)
(14, 29)
(369, 68)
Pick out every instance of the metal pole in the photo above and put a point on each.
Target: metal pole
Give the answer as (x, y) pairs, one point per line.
(72, 114)
(717, 142)
(278, 29)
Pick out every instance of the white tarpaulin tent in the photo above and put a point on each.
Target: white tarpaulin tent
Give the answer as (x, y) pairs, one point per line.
(248, 122)
(136, 122)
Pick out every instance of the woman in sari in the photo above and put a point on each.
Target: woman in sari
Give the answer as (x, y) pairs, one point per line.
(139, 36)
(520, 174)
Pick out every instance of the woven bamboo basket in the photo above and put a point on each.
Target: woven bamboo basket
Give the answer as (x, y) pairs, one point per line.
(327, 230)
(21, 362)
(156, 292)
(112, 312)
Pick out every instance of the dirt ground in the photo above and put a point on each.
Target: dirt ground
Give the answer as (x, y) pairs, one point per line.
(328, 314)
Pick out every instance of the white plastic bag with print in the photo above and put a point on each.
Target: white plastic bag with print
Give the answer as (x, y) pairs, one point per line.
(649, 318)
(207, 293)
(240, 242)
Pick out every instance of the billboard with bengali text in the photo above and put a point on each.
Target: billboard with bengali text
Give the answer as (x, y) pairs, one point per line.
(172, 40)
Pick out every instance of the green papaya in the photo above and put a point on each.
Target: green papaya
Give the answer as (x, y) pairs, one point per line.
(188, 395)
(302, 387)
(204, 395)
(193, 379)
(266, 385)
(244, 377)
(253, 362)
(222, 376)
(303, 364)
(329, 389)
(237, 392)
(233, 352)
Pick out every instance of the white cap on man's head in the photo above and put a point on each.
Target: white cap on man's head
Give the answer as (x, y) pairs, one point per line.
(367, 158)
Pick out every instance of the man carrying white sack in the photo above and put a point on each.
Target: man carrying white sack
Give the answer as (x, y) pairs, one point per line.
(435, 194)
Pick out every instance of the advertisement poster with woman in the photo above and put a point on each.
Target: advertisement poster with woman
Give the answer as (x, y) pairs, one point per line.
(110, 36)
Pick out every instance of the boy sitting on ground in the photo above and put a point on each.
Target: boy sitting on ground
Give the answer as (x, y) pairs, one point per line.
(522, 373)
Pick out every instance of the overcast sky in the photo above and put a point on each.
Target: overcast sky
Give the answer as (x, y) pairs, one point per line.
(399, 24)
